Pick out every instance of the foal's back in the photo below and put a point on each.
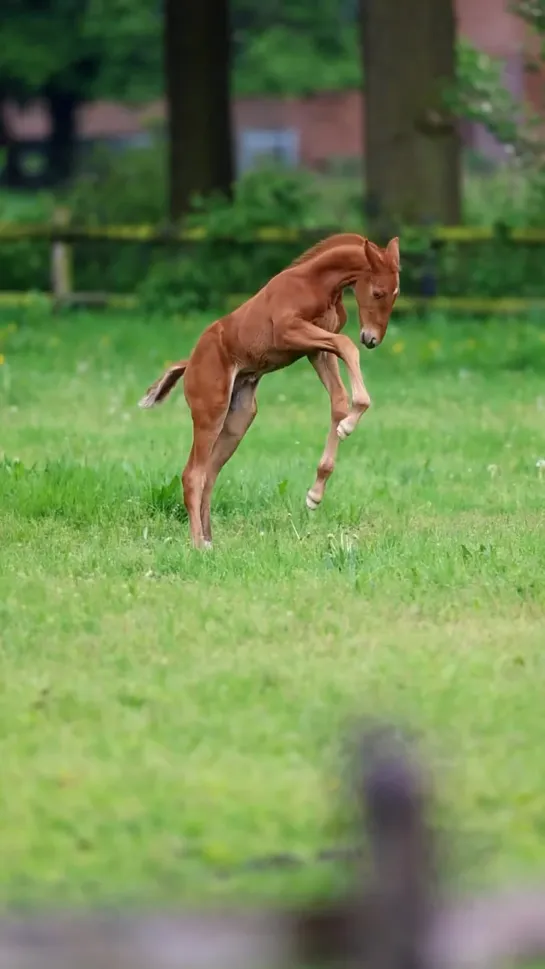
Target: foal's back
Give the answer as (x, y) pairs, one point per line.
(247, 333)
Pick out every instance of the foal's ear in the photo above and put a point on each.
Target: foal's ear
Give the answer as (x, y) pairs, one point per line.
(392, 251)
(372, 253)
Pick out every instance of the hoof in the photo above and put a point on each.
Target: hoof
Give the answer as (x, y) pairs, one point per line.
(344, 429)
(312, 504)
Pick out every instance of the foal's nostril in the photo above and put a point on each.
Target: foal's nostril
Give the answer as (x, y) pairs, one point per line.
(370, 342)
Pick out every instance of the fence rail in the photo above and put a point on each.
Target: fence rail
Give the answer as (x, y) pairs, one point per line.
(504, 306)
(62, 234)
(53, 232)
(397, 917)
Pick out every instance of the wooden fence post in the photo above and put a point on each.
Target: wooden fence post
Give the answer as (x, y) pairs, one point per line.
(61, 261)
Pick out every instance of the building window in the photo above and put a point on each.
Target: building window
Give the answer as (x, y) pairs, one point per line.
(140, 139)
(258, 145)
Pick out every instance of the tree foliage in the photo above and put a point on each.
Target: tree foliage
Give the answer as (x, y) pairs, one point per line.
(533, 12)
(480, 93)
(91, 48)
(112, 48)
(481, 96)
(291, 47)
(280, 62)
(128, 35)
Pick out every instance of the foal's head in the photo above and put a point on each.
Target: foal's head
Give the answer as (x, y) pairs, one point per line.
(376, 291)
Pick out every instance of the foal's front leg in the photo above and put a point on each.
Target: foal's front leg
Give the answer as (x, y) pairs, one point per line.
(296, 333)
(327, 368)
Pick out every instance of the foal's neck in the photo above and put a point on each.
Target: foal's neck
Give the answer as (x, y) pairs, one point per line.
(340, 267)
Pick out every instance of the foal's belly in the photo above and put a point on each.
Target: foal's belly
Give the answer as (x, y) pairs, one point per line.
(275, 360)
(279, 359)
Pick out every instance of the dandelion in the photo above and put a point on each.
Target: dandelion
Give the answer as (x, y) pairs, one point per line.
(492, 470)
(540, 465)
(398, 346)
(2, 359)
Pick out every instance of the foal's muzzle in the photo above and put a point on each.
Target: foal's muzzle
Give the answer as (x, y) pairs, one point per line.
(369, 341)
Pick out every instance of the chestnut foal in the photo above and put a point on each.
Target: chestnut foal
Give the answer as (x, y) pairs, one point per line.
(298, 313)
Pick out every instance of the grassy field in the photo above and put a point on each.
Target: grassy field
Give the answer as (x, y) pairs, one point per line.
(167, 714)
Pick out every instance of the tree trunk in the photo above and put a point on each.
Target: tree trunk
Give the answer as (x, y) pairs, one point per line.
(197, 64)
(63, 137)
(411, 142)
(11, 175)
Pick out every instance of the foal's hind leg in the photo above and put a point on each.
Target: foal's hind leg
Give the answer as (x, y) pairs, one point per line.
(242, 411)
(208, 400)
(194, 477)
(327, 368)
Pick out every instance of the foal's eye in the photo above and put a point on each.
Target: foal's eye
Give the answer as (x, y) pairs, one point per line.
(378, 294)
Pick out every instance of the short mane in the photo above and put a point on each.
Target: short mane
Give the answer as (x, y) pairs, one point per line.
(340, 239)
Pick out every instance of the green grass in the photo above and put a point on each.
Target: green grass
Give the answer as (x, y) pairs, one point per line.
(165, 714)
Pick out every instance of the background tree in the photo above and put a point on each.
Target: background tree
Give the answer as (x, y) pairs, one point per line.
(412, 146)
(71, 51)
(198, 79)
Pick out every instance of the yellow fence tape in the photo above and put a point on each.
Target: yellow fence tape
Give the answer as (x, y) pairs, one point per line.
(507, 306)
(15, 232)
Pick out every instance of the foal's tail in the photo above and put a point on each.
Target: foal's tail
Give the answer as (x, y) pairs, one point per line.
(162, 387)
